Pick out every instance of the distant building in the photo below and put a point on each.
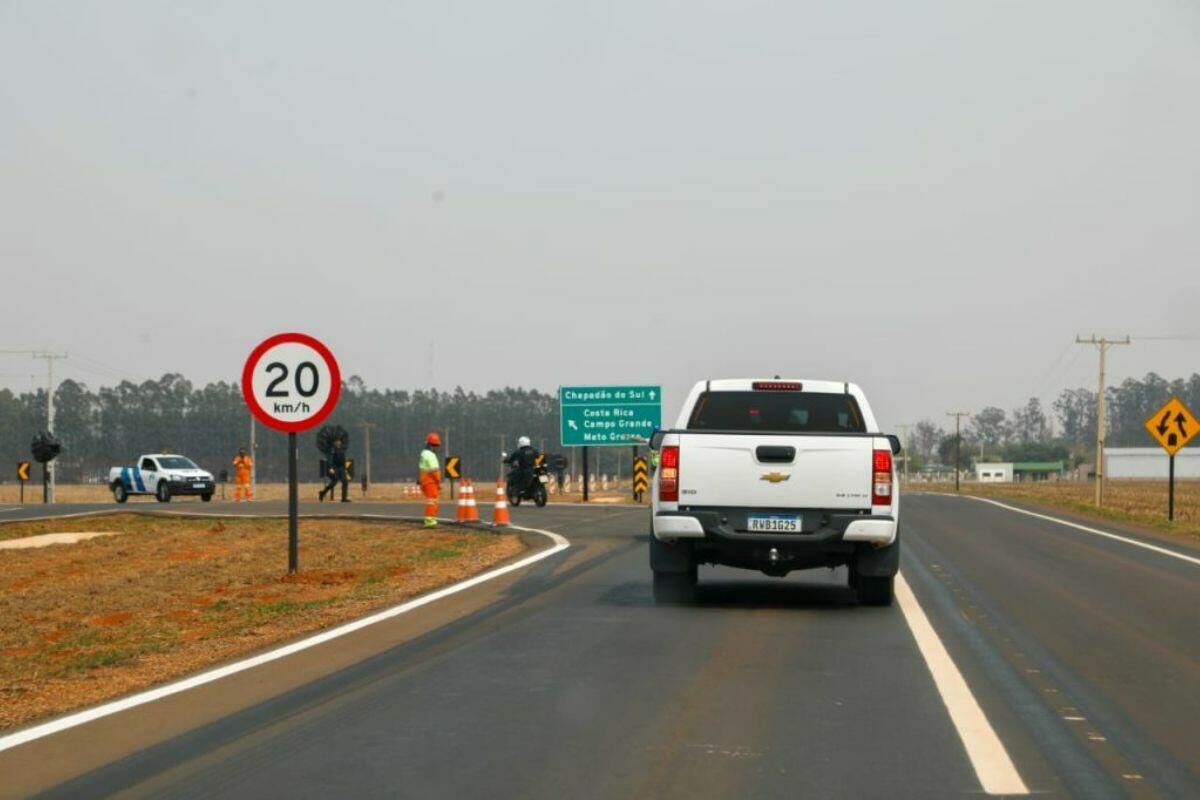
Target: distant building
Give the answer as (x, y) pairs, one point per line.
(994, 473)
(1149, 462)
(1039, 470)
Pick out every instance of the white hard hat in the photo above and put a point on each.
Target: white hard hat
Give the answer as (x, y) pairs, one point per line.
(523, 441)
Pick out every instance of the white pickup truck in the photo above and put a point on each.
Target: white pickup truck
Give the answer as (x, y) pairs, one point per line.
(775, 475)
(163, 476)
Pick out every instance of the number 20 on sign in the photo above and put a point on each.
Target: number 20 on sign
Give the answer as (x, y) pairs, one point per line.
(291, 382)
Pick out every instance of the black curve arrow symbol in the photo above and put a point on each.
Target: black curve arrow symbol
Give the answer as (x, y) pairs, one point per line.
(1179, 420)
(1164, 423)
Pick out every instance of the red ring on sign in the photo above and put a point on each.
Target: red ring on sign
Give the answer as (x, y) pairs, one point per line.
(335, 375)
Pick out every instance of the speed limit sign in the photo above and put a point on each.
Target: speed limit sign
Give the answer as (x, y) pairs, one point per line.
(291, 382)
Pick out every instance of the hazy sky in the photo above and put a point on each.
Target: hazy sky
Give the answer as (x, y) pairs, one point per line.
(930, 198)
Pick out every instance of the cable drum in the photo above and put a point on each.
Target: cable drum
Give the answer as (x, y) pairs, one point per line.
(327, 435)
(45, 447)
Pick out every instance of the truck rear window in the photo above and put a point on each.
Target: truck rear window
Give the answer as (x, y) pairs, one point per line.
(783, 412)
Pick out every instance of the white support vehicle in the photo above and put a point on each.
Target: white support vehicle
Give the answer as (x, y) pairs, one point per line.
(775, 475)
(163, 476)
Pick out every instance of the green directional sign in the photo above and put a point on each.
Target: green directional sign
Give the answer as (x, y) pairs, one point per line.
(608, 416)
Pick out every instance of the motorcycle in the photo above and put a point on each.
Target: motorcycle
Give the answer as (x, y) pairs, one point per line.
(534, 488)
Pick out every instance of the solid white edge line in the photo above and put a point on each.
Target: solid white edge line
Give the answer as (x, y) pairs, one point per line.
(141, 698)
(991, 761)
(1136, 543)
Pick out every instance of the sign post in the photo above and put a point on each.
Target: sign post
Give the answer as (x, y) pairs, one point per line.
(1172, 426)
(641, 477)
(291, 382)
(23, 477)
(453, 468)
(607, 416)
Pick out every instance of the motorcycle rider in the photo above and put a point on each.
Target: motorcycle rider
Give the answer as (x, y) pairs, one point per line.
(522, 460)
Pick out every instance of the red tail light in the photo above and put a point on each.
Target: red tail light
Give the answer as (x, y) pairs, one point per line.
(668, 474)
(777, 386)
(881, 478)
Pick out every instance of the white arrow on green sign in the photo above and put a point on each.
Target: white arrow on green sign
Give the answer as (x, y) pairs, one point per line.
(608, 416)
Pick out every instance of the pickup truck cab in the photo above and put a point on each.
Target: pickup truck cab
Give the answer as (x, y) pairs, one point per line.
(163, 476)
(775, 475)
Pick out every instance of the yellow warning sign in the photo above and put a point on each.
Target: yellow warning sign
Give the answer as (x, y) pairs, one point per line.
(453, 467)
(1173, 426)
(22, 470)
(641, 478)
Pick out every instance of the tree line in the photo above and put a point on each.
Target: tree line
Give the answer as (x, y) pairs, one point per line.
(1066, 431)
(112, 425)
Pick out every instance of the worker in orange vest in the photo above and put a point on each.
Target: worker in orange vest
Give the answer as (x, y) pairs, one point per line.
(431, 478)
(241, 475)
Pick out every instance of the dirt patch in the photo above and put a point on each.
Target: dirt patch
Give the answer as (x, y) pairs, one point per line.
(83, 623)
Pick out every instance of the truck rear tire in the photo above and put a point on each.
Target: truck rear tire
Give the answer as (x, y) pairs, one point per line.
(875, 591)
(119, 493)
(675, 587)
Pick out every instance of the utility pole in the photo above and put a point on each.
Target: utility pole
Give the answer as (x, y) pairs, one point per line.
(1102, 344)
(958, 415)
(49, 358)
(907, 430)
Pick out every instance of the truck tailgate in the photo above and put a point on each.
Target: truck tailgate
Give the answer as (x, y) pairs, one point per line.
(730, 470)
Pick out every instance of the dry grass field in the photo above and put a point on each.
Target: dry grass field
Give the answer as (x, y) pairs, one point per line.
(85, 622)
(1131, 501)
(485, 493)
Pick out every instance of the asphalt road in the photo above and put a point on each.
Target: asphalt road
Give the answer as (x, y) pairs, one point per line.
(1083, 653)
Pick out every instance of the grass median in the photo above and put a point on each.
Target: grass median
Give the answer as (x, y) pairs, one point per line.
(81, 623)
(1134, 502)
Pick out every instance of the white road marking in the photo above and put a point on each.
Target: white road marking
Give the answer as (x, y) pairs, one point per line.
(991, 761)
(6, 510)
(149, 696)
(1164, 551)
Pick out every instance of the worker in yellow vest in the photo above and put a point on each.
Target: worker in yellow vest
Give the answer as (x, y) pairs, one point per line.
(431, 478)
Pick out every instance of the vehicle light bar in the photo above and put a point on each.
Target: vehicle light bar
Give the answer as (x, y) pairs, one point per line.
(778, 386)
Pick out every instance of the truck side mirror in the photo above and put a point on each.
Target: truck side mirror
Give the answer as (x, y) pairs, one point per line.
(895, 440)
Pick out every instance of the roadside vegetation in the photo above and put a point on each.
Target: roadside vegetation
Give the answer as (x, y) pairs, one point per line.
(85, 622)
(1142, 503)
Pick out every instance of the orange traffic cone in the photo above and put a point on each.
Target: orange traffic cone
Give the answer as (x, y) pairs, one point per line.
(500, 512)
(460, 513)
(472, 509)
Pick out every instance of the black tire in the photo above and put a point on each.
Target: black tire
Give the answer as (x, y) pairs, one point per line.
(206, 498)
(875, 591)
(514, 500)
(163, 493)
(119, 493)
(675, 587)
(539, 496)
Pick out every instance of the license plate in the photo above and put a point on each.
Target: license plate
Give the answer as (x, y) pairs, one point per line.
(197, 485)
(776, 523)
(544, 478)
